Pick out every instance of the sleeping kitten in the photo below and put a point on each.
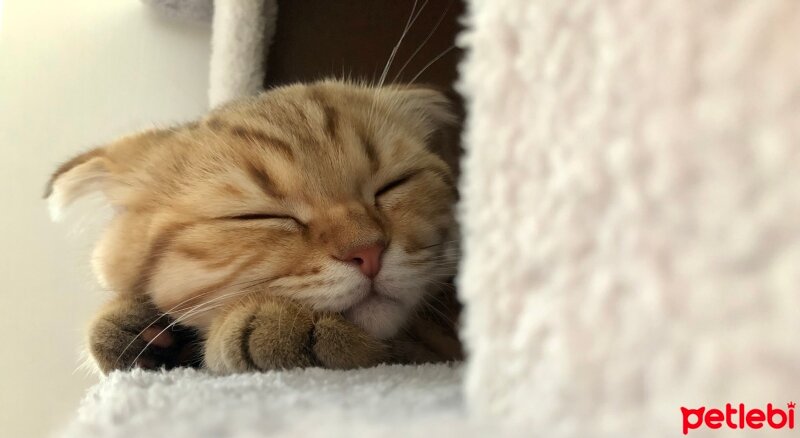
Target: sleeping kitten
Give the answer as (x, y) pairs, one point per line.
(310, 225)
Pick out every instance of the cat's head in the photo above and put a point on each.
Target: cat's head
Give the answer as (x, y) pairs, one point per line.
(325, 193)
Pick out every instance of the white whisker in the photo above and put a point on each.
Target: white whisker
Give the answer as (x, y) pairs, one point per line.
(411, 19)
(425, 41)
(445, 52)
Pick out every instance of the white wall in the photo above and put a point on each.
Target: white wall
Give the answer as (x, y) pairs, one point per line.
(73, 74)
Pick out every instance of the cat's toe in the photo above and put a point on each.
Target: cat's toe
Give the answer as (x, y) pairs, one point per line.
(339, 344)
(280, 337)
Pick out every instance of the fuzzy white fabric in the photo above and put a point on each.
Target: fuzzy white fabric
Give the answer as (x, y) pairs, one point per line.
(631, 204)
(242, 30)
(241, 33)
(387, 401)
(194, 10)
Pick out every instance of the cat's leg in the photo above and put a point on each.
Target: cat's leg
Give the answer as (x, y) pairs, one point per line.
(129, 332)
(273, 333)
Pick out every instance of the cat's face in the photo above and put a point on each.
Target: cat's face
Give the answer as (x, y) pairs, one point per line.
(324, 193)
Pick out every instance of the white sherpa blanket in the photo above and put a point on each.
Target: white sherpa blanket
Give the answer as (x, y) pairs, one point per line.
(387, 401)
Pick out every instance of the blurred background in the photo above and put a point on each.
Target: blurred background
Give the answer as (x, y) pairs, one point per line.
(73, 75)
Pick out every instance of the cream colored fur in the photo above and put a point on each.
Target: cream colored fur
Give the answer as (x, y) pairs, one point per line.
(261, 198)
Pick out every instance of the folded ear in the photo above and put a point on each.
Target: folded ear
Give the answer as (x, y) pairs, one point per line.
(428, 107)
(108, 170)
(87, 173)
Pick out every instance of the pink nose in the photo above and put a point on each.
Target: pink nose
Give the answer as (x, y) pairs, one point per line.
(367, 258)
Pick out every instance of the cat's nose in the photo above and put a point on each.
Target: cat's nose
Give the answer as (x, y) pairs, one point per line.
(367, 258)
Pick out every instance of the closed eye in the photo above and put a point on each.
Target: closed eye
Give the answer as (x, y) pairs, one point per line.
(260, 216)
(393, 185)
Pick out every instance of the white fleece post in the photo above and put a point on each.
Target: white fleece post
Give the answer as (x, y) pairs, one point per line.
(193, 10)
(631, 211)
(242, 30)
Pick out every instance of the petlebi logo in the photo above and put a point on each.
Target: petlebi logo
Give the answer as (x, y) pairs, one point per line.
(738, 417)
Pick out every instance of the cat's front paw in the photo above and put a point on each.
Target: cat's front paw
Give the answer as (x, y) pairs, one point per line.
(263, 334)
(268, 334)
(130, 332)
(339, 344)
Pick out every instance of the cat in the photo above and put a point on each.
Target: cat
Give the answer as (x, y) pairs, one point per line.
(311, 225)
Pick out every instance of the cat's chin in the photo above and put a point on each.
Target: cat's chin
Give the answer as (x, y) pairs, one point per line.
(378, 315)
